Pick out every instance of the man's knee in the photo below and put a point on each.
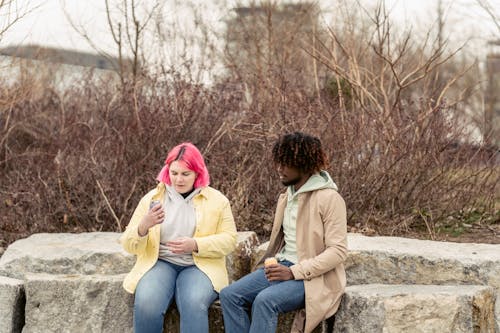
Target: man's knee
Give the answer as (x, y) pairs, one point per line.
(264, 301)
(225, 294)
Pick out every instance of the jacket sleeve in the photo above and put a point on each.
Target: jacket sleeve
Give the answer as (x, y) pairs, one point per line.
(130, 239)
(335, 235)
(223, 241)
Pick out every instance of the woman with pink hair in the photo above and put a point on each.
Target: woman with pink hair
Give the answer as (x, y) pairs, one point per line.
(180, 232)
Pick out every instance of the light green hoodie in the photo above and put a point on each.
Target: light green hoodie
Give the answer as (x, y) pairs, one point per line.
(316, 182)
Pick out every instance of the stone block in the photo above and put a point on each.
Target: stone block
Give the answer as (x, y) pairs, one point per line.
(77, 303)
(379, 308)
(259, 253)
(66, 253)
(81, 284)
(64, 266)
(12, 302)
(95, 253)
(395, 260)
(238, 263)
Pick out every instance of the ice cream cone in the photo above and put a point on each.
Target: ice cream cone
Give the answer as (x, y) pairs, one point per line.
(270, 261)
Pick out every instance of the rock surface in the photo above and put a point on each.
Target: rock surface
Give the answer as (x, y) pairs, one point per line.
(238, 263)
(77, 303)
(395, 260)
(95, 253)
(72, 282)
(416, 309)
(259, 253)
(11, 305)
(65, 253)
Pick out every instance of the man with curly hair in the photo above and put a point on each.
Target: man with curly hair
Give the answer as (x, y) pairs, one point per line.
(309, 242)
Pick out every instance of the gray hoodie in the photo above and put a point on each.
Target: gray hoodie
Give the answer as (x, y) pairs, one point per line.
(180, 221)
(316, 182)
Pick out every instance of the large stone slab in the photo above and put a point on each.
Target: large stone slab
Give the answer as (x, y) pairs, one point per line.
(81, 262)
(66, 253)
(84, 261)
(416, 309)
(395, 260)
(11, 305)
(95, 253)
(77, 303)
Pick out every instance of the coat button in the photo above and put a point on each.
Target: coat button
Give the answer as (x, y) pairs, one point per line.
(308, 273)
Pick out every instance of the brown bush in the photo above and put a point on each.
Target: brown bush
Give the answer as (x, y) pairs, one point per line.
(81, 161)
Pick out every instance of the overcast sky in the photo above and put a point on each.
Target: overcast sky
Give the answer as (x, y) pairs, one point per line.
(48, 25)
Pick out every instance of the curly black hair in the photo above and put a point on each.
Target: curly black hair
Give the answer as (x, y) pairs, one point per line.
(301, 151)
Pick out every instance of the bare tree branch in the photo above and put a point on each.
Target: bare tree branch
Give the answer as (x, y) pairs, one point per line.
(11, 13)
(489, 9)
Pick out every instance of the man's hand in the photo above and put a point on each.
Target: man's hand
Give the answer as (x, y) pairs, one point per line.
(182, 245)
(277, 272)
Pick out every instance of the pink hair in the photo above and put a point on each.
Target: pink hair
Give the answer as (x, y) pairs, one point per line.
(190, 156)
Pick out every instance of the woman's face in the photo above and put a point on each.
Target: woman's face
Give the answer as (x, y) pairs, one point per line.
(181, 177)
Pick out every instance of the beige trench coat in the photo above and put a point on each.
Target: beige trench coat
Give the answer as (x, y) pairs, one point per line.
(321, 252)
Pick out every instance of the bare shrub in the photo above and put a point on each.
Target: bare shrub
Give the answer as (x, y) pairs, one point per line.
(80, 160)
(382, 109)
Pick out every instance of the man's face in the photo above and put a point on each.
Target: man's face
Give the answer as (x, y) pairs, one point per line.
(289, 175)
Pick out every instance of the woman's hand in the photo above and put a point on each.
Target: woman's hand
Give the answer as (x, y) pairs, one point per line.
(155, 216)
(277, 272)
(182, 245)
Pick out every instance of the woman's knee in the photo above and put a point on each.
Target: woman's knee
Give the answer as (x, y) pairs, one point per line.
(195, 300)
(194, 308)
(145, 308)
(152, 301)
(147, 298)
(200, 302)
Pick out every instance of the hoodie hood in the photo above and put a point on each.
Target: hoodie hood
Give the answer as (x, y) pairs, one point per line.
(317, 181)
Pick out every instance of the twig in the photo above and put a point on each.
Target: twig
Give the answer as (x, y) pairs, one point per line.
(109, 206)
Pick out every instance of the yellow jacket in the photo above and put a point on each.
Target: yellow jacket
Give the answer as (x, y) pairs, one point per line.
(215, 235)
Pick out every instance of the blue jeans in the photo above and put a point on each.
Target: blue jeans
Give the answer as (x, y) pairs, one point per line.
(155, 291)
(265, 300)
